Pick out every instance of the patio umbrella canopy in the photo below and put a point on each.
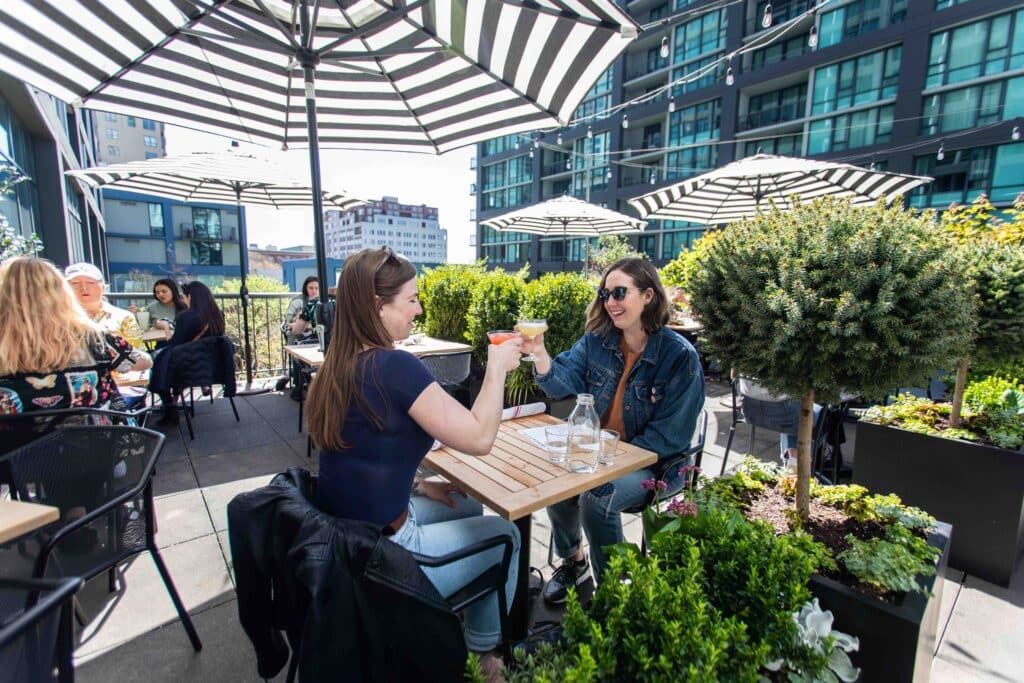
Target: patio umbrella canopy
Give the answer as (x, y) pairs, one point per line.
(225, 178)
(566, 216)
(750, 185)
(419, 75)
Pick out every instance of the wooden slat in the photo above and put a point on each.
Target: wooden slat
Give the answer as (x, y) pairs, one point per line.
(428, 346)
(18, 518)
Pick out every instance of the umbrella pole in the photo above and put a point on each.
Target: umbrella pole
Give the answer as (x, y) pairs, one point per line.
(243, 297)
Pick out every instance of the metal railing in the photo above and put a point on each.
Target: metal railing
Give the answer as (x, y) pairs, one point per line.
(266, 314)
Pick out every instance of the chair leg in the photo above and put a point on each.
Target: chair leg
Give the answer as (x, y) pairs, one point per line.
(186, 620)
(309, 447)
(192, 400)
(301, 402)
(112, 580)
(65, 648)
(728, 445)
(188, 419)
(234, 409)
(551, 549)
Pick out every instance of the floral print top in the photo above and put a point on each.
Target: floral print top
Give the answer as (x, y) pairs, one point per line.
(120, 322)
(87, 382)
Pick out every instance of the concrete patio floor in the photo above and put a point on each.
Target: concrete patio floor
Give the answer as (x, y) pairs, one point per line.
(133, 634)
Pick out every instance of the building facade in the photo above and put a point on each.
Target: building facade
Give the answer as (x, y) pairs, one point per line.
(119, 139)
(40, 139)
(151, 237)
(412, 230)
(929, 87)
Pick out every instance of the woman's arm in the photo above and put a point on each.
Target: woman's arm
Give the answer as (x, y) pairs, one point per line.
(185, 329)
(470, 431)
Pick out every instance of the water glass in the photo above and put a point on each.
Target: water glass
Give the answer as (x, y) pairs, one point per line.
(609, 447)
(557, 439)
(585, 449)
(142, 317)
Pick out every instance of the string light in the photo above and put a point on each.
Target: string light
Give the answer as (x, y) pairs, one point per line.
(568, 164)
(590, 132)
(941, 154)
(558, 140)
(671, 103)
(517, 144)
(729, 78)
(812, 38)
(531, 153)
(654, 177)
(536, 143)
(766, 20)
(608, 175)
(873, 166)
(625, 121)
(663, 51)
(1015, 135)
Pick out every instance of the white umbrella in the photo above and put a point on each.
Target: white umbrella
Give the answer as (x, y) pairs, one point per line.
(414, 75)
(566, 216)
(226, 177)
(750, 185)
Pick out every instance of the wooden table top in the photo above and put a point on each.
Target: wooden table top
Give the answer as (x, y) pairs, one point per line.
(135, 378)
(516, 478)
(685, 325)
(155, 335)
(428, 346)
(18, 518)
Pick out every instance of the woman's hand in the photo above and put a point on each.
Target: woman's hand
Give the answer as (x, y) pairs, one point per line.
(505, 357)
(299, 326)
(439, 490)
(535, 345)
(162, 325)
(133, 309)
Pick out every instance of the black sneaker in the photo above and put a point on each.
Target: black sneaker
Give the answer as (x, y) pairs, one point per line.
(570, 573)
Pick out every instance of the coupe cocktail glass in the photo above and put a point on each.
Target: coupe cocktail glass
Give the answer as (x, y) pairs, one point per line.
(497, 337)
(531, 328)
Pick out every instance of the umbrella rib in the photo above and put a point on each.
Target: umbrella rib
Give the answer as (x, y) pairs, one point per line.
(153, 48)
(389, 18)
(280, 27)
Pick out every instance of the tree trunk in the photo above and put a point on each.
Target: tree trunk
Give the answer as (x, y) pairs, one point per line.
(804, 437)
(958, 393)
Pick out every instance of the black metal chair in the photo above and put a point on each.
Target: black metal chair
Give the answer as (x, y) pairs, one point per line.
(100, 478)
(449, 369)
(201, 363)
(35, 629)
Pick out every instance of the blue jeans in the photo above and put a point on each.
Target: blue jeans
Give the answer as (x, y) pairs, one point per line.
(433, 528)
(778, 416)
(598, 513)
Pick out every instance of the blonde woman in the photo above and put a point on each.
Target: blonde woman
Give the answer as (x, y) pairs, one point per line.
(61, 359)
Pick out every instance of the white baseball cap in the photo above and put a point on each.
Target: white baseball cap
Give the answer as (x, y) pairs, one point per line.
(83, 270)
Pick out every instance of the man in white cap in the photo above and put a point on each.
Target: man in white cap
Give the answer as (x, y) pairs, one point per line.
(87, 282)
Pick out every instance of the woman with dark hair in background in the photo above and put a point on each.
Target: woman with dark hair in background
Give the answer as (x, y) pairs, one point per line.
(647, 385)
(298, 328)
(376, 410)
(203, 318)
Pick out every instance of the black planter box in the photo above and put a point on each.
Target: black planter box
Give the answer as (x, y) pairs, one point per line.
(897, 640)
(978, 489)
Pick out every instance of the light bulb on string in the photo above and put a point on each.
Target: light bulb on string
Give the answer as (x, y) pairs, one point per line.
(873, 166)
(568, 164)
(590, 132)
(663, 50)
(625, 120)
(729, 78)
(654, 178)
(609, 174)
(1015, 134)
(531, 153)
(766, 20)
(517, 143)
(558, 140)
(671, 104)
(941, 154)
(812, 38)
(536, 143)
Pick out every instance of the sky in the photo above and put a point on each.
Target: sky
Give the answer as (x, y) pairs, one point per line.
(440, 181)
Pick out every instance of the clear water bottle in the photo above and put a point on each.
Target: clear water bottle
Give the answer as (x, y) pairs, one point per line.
(584, 435)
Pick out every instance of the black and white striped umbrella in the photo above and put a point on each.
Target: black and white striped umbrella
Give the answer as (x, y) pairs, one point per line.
(410, 75)
(749, 185)
(224, 178)
(566, 216)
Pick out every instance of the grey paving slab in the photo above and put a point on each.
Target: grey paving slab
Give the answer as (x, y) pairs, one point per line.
(953, 581)
(174, 476)
(225, 549)
(218, 496)
(212, 438)
(142, 604)
(270, 457)
(181, 517)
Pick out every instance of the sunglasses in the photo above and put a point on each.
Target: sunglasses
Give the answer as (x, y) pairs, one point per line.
(617, 293)
(387, 253)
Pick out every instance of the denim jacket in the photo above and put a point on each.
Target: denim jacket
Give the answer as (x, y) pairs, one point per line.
(664, 394)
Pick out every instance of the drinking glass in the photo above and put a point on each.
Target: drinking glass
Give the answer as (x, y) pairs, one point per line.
(497, 337)
(557, 439)
(531, 328)
(142, 317)
(609, 447)
(585, 452)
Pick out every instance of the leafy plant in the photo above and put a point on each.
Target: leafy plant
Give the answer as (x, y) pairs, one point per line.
(814, 629)
(679, 271)
(445, 294)
(493, 305)
(610, 248)
(893, 562)
(837, 296)
(13, 243)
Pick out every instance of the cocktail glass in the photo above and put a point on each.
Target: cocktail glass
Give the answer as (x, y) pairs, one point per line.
(531, 328)
(497, 337)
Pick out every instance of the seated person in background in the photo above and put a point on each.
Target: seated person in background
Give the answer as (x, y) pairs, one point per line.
(73, 367)
(298, 328)
(777, 412)
(647, 385)
(375, 411)
(167, 306)
(87, 282)
(203, 318)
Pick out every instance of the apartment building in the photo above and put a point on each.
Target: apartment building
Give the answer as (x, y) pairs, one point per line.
(411, 230)
(930, 87)
(119, 139)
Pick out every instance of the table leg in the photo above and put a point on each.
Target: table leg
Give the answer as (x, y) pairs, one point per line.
(519, 615)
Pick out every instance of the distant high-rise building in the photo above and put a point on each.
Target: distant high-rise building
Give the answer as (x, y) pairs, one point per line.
(411, 230)
(119, 138)
(930, 87)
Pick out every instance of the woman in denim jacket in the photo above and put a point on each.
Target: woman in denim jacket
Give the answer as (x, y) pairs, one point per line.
(647, 384)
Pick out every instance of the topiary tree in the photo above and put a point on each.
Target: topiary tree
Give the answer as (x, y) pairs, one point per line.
(992, 251)
(445, 294)
(610, 248)
(827, 297)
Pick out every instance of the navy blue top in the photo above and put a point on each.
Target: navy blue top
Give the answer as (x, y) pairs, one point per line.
(372, 478)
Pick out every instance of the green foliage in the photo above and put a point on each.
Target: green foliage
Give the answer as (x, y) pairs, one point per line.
(815, 633)
(562, 300)
(265, 320)
(835, 296)
(996, 272)
(892, 563)
(494, 305)
(13, 243)
(981, 222)
(445, 294)
(473, 673)
(610, 248)
(679, 271)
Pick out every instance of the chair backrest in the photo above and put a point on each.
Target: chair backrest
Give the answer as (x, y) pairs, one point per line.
(203, 362)
(18, 429)
(35, 628)
(448, 368)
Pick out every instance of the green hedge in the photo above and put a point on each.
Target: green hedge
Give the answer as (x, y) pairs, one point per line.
(445, 295)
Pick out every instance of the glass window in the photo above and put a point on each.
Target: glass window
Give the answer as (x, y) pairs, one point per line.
(698, 123)
(700, 36)
(674, 240)
(113, 151)
(982, 48)
(131, 121)
(702, 74)
(112, 134)
(690, 161)
(507, 183)
(1007, 179)
(590, 165)
(847, 131)
(962, 175)
(786, 145)
(156, 219)
(944, 4)
(148, 125)
(206, 253)
(777, 106)
(867, 78)
(858, 18)
(973, 106)
(110, 116)
(780, 51)
(598, 100)
(206, 223)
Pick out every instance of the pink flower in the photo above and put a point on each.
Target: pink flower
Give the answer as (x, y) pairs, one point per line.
(686, 469)
(654, 484)
(683, 508)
